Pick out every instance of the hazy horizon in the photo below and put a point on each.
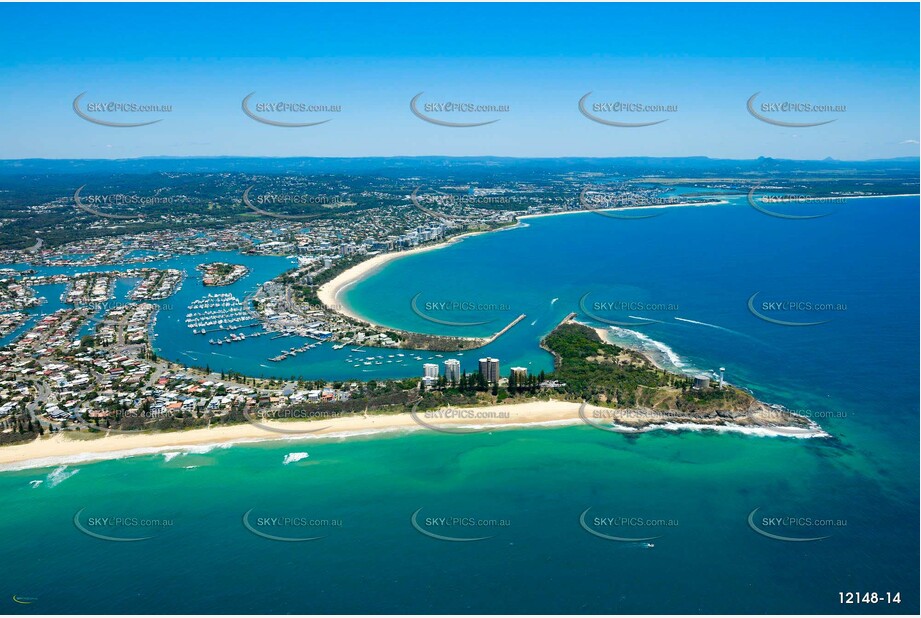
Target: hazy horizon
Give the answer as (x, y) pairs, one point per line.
(472, 156)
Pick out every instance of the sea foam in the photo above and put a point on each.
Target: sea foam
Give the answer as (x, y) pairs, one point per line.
(645, 343)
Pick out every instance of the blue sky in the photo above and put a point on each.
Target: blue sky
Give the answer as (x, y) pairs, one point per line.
(539, 60)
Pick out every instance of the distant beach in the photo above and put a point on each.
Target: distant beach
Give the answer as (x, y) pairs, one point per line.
(330, 292)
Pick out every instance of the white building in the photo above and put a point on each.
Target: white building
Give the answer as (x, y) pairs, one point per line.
(452, 370)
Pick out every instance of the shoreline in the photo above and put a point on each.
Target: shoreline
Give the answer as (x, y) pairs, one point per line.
(814, 429)
(864, 197)
(676, 365)
(603, 335)
(60, 450)
(330, 292)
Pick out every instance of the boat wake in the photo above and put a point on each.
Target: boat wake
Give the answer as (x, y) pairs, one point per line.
(639, 545)
(59, 475)
(707, 325)
(639, 317)
(294, 458)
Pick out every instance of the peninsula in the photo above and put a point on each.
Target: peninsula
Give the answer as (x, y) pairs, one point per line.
(597, 384)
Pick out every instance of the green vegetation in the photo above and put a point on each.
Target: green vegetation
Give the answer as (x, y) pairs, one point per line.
(604, 373)
(19, 427)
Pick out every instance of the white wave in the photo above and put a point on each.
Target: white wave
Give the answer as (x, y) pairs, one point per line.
(59, 475)
(202, 449)
(553, 301)
(294, 458)
(36, 483)
(764, 432)
(171, 455)
(65, 460)
(46, 462)
(647, 344)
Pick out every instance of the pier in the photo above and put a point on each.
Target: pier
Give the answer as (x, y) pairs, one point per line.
(506, 329)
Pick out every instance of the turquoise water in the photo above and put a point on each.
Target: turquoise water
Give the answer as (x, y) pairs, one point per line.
(856, 374)
(176, 342)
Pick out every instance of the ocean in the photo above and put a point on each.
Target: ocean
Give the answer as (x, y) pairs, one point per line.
(706, 522)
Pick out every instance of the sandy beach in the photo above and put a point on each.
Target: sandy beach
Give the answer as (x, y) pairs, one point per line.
(329, 293)
(61, 448)
(64, 449)
(865, 197)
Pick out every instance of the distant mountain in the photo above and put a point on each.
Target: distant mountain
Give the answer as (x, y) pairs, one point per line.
(387, 166)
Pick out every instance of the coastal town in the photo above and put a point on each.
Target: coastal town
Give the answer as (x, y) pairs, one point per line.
(93, 364)
(221, 273)
(481, 309)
